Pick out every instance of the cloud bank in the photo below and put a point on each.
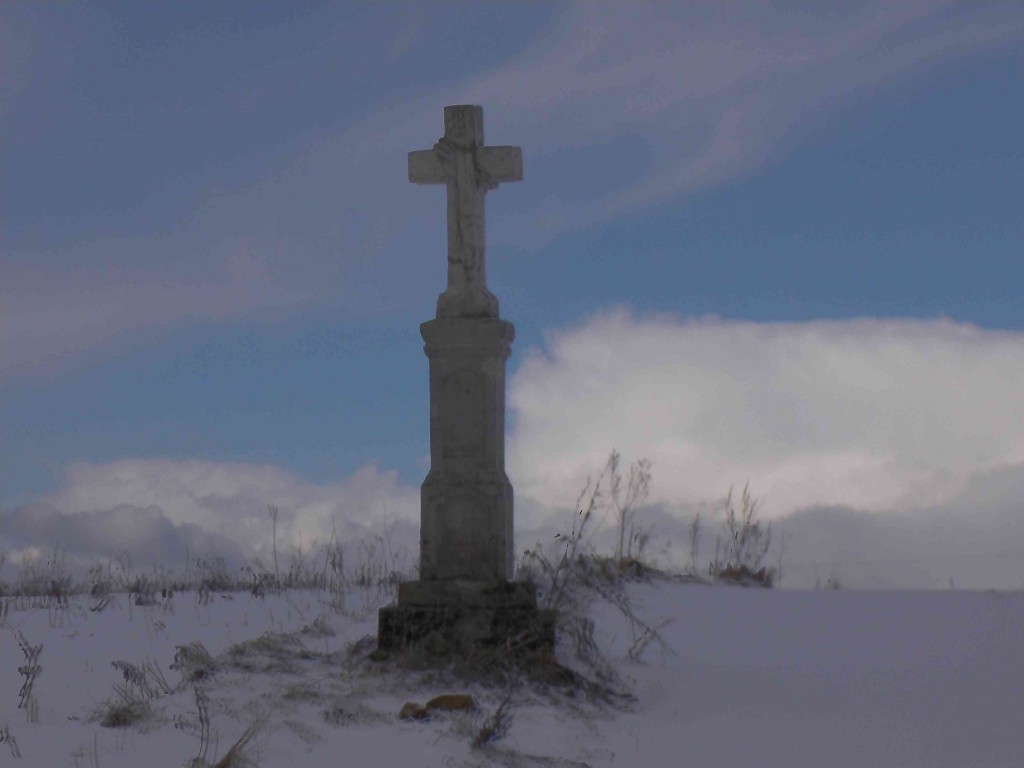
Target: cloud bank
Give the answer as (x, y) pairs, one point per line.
(878, 414)
(160, 512)
(886, 453)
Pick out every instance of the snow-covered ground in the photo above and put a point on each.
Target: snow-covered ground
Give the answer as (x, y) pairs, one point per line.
(744, 677)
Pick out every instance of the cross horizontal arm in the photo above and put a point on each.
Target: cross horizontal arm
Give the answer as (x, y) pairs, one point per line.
(425, 167)
(499, 163)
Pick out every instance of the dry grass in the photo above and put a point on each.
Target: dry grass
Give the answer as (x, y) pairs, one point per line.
(739, 554)
(495, 726)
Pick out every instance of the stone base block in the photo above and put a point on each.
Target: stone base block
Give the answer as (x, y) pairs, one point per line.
(467, 593)
(461, 617)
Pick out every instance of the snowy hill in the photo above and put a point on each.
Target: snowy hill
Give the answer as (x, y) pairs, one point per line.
(735, 677)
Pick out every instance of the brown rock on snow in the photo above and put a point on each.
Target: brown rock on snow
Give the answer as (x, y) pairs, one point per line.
(452, 701)
(446, 702)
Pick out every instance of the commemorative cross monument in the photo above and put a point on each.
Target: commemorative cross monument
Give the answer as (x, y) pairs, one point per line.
(465, 597)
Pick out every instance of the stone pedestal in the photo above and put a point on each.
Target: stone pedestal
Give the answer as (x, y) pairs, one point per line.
(466, 498)
(463, 617)
(465, 599)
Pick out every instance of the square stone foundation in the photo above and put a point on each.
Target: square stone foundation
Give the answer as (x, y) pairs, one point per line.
(459, 617)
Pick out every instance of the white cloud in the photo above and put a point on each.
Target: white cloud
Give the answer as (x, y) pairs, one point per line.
(974, 540)
(874, 414)
(152, 507)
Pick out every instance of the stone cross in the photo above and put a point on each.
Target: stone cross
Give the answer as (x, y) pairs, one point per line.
(465, 597)
(470, 170)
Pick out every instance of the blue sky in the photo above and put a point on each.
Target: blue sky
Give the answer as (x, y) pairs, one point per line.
(778, 245)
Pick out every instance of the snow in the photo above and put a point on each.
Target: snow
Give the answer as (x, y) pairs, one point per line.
(742, 676)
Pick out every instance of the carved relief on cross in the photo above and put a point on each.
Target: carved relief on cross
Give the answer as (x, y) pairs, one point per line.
(469, 169)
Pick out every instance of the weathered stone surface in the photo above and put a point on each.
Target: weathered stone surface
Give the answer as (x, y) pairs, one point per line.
(460, 616)
(469, 170)
(466, 499)
(447, 630)
(464, 599)
(467, 593)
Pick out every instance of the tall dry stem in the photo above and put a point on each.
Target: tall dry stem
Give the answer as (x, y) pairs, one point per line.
(637, 488)
(273, 510)
(746, 542)
(694, 542)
